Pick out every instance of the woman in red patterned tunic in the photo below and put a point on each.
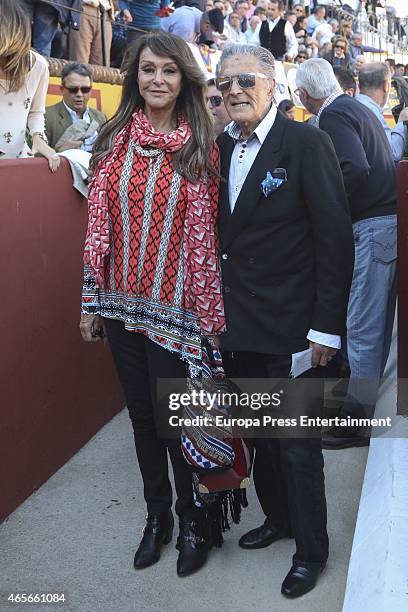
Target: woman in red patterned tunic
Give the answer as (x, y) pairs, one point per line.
(151, 267)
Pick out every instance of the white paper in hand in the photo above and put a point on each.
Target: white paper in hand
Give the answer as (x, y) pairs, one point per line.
(301, 362)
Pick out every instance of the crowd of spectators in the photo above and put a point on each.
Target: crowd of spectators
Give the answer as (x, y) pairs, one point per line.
(99, 31)
(77, 30)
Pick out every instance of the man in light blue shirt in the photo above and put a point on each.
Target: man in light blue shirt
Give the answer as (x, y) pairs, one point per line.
(374, 84)
(316, 19)
(184, 22)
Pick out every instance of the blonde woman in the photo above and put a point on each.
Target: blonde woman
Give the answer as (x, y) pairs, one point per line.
(23, 89)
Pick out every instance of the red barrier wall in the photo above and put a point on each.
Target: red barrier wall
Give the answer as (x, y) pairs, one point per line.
(56, 391)
(402, 186)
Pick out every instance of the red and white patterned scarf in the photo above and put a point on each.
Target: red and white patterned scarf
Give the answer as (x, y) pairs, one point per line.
(202, 284)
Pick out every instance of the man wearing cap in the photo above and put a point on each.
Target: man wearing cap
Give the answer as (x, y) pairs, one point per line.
(184, 21)
(211, 22)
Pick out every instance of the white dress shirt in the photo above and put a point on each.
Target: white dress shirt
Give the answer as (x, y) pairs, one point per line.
(291, 40)
(243, 156)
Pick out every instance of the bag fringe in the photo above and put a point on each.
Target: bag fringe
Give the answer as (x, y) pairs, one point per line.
(222, 509)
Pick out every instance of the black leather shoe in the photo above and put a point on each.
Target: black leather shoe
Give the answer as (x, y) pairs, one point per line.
(193, 545)
(157, 531)
(262, 536)
(343, 437)
(300, 580)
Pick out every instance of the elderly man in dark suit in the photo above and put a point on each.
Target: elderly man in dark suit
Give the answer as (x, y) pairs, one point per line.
(287, 259)
(369, 176)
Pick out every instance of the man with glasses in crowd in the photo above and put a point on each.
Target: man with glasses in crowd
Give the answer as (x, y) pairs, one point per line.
(76, 86)
(286, 248)
(369, 175)
(216, 106)
(299, 10)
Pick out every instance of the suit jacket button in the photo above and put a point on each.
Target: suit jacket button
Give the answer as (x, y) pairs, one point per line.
(227, 289)
(251, 260)
(252, 293)
(224, 256)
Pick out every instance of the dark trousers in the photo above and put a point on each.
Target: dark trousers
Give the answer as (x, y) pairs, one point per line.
(44, 18)
(288, 472)
(140, 362)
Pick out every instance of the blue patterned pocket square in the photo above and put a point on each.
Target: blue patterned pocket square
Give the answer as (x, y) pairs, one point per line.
(273, 181)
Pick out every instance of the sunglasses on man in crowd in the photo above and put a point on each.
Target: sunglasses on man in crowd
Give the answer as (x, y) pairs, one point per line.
(75, 90)
(215, 100)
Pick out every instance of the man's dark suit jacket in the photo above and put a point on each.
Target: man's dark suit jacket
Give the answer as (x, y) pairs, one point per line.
(287, 259)
(365, 157)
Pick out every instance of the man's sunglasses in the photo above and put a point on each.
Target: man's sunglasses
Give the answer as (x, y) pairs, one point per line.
(215, 100)
(246, 80)
(74, 90)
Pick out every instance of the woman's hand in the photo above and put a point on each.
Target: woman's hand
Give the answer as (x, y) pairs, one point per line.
(214, 341)
(54, 162)
(92, 327)
(41, 147)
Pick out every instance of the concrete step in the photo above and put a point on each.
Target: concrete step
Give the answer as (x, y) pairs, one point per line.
(78, 533)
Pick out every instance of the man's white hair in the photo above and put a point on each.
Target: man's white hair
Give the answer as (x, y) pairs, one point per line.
(316, 76)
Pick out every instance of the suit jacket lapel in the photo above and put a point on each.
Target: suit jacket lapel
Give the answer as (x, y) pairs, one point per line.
(267, 159)
(224, 213)
(64, 118)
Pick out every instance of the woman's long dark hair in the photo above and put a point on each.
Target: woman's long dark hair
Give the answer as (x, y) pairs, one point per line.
(193, 160)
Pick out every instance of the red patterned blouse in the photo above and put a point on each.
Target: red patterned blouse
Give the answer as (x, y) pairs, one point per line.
(144, 272)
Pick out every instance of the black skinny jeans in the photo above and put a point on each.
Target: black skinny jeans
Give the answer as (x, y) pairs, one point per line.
(139, 363)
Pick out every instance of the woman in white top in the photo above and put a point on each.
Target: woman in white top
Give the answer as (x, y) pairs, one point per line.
(23, 89)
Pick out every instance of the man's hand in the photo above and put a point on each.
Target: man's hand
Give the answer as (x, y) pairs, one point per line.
(321, 354)
(403, 115)
(127, 17)
(92, 327)
(70, 144)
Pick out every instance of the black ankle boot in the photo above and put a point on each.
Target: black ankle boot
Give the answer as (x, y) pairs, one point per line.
(193, 543)
(157, 531)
